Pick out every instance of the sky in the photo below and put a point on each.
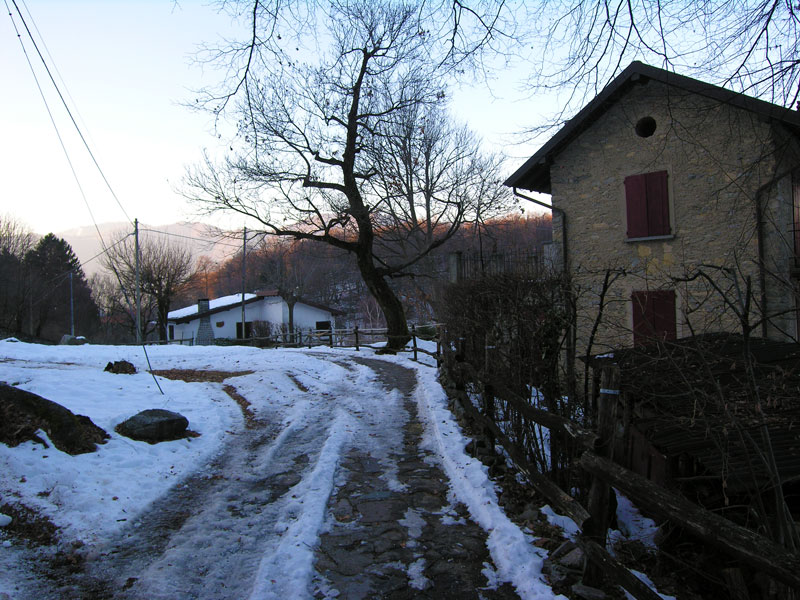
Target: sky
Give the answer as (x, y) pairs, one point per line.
(128, 73)
(93, 497)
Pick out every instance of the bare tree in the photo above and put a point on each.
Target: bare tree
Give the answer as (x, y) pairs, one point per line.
(16, 240)
(164, 267)
(318, 161)
(15, 237)
(747, 46)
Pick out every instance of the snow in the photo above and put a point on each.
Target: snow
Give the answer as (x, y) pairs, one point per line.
(632, 525)
(516, 559)
(565, 523)
(212, 304)
(91, 497)
(285, 572)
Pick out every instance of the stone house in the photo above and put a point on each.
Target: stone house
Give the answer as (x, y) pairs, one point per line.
(221, 318)
(682, 195)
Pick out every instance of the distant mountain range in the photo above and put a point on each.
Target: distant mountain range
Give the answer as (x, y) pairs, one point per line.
(201, 239)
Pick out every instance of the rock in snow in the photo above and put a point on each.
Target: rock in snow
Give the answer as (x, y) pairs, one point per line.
(154, 425)
(120, 367)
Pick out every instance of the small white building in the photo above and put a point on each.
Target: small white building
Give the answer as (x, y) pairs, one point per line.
(221, 318)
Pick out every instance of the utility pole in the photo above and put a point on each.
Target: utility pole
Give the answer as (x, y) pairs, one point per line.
(244, 272)
(137, 291)
(30, 301)
(71, 308)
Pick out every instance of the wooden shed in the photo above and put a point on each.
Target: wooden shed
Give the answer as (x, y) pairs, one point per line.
(711, 413)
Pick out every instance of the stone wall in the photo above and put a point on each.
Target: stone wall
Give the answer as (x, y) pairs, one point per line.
(717, 158)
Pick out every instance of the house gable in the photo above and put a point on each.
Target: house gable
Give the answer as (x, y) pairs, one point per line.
(658, 177)
(534, 174)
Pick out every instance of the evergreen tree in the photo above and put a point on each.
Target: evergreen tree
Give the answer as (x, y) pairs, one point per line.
(50, 264)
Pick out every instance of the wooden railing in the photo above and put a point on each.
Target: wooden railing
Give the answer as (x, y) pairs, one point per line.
(354, 337)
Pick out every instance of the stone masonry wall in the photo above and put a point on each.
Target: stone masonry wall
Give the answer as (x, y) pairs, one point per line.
(717, 157)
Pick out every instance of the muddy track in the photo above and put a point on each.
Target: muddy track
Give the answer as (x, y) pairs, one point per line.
(393, 531)
(205, 538)
(401, 537)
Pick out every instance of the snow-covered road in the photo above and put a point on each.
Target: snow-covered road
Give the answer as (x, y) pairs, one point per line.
(239, 511)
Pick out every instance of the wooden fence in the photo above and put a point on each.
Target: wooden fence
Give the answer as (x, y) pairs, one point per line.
(596, 458)
(354, 337)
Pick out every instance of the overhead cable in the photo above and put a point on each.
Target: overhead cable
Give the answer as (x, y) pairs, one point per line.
(66, 106)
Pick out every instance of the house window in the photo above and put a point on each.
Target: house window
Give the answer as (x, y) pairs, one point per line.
(172, 332)
(647, 205)
(653, 316)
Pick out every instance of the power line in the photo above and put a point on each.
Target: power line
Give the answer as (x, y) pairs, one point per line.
(52, 120)
(189, 237)
(55, 127)
(53, 62)
(63, 101)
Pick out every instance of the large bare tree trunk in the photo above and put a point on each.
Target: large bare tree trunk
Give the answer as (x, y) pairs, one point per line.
(393, 312)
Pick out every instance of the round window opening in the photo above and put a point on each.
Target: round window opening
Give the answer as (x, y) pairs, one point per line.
(646, 127)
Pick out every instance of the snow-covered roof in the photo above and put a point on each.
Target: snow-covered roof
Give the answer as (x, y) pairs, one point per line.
(212, 304)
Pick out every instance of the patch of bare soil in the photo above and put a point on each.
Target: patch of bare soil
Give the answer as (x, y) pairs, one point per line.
(28, 525)
(196, 375)
(297, 382)
(23, 413)
(250, 420)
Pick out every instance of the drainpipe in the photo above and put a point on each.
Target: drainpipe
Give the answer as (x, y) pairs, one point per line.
(762, 266)
(571, 333)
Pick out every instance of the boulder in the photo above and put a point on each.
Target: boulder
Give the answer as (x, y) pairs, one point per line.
(72, 340)
(154, 425)
(23, 413)
(120, 367)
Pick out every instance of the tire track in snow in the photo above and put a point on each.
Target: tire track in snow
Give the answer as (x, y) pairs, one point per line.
(222, 531)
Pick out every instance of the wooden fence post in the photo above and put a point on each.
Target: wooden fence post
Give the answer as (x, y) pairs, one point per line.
(355, 331)
(309, 338)
(414, 339)
(599, 501)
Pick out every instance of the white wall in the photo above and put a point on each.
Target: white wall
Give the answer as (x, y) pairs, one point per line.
(273, 310)
(306, 317)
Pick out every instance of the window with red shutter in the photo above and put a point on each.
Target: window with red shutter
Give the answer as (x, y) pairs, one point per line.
(647, 205)
(653, 316)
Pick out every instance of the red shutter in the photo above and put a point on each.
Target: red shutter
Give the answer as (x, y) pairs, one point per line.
(657, 203)
(636, 205)
(653, 316)
(663, 306)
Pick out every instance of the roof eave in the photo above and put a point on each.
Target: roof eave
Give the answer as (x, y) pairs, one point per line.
(534, 174)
